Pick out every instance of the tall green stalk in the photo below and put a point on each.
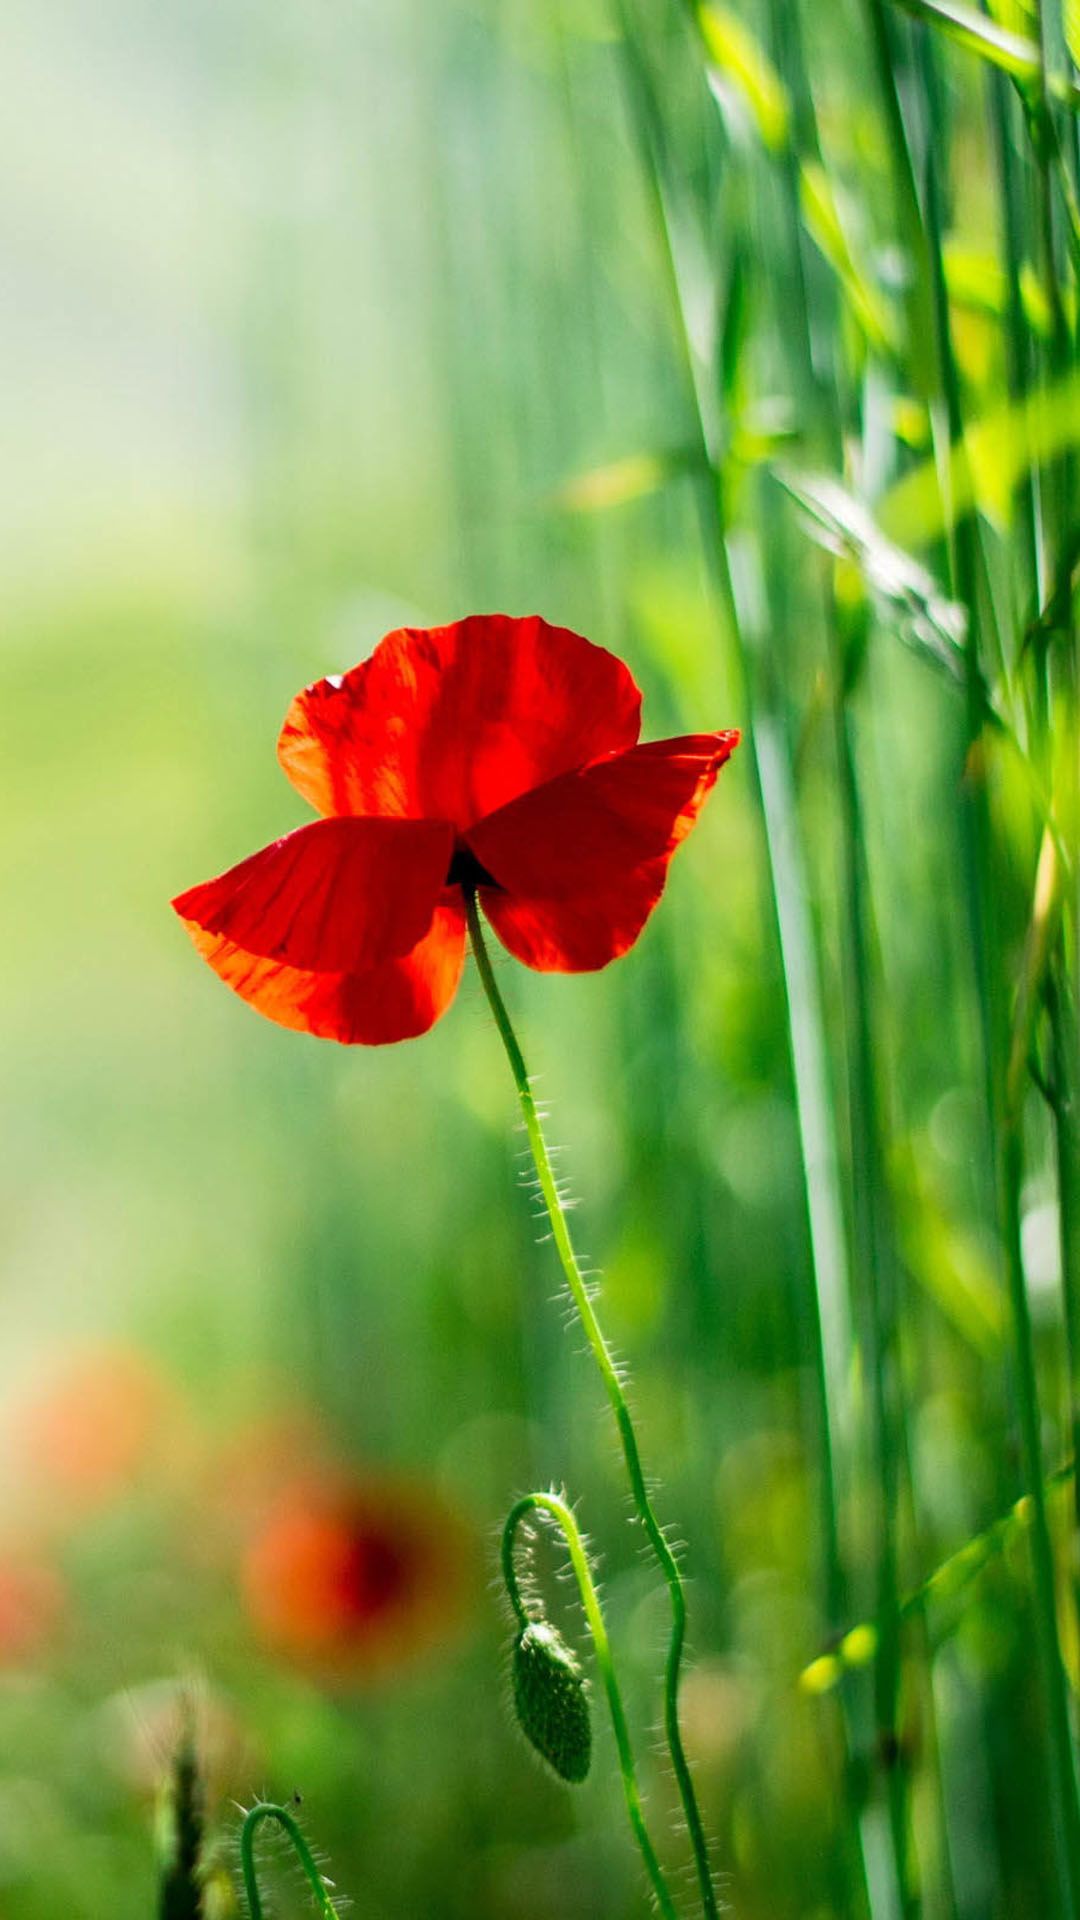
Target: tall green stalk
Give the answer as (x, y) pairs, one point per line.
(1058, 646)
(613, 1387)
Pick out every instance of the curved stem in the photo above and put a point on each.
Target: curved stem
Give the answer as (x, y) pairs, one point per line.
(269, 1810)
(550, 1503)
(609, 1372)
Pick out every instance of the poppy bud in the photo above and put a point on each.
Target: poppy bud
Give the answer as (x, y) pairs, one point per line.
(550, 1700)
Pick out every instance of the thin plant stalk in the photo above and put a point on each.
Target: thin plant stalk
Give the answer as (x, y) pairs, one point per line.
(613, 1387)
(1060, 546)
(875, 1258)
(1067, 1144)
(1017, 342)
(562, 1514)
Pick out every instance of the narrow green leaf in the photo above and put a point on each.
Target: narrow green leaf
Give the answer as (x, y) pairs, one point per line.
(734, 54)
(924, 616)
(1016, 16)
(1072, 30)
(1014, 53)
(824, 224)
(976, 281)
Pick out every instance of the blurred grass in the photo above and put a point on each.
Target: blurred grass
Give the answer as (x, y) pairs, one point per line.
(323, 321)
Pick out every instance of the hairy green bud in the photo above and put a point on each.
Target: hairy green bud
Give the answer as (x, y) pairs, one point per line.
(551, 1701)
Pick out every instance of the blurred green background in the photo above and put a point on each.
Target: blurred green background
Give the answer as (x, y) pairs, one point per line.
(324, 320)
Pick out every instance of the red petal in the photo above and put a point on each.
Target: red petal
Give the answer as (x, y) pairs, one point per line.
(582, 862)
(338, 895)
(342, 929)
(453, 722)
(391, 1001)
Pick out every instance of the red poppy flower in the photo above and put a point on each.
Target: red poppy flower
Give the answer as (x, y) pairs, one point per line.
(495, 754)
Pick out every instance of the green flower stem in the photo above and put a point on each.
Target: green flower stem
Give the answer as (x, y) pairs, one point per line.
(269, 1810)
(609, 1372)
(551, 1504)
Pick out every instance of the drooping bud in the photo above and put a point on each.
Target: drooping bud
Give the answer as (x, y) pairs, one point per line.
(551, 1701)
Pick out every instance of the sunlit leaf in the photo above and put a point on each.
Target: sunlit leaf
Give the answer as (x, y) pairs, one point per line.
(924, 615)
(1014, 53)
(974, 279)
(824, 224)
(977, 280)
(735, 54)
(763, 432)
(984, 468)
(1072, 29)
(1016, 16)
(910, 422)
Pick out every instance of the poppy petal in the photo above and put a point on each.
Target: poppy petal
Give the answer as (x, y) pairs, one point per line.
(335, 896)
(453, 722)
(580, 863)
(392, 1000)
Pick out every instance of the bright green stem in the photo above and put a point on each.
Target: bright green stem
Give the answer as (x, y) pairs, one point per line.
(1063, 1785)
(551, 1504)
(1064, 1040)
(609, 1372)
(269, 1810)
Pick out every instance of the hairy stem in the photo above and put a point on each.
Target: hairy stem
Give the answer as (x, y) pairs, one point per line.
(269, 1810)
(609, 1373)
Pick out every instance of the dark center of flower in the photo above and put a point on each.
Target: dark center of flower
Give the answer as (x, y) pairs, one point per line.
(466, 871)
(379, 1574)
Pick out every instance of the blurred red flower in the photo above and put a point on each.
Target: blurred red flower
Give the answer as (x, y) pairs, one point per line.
(32, 1600)
(498, 754)
(356, 1576)
(88, 1432)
